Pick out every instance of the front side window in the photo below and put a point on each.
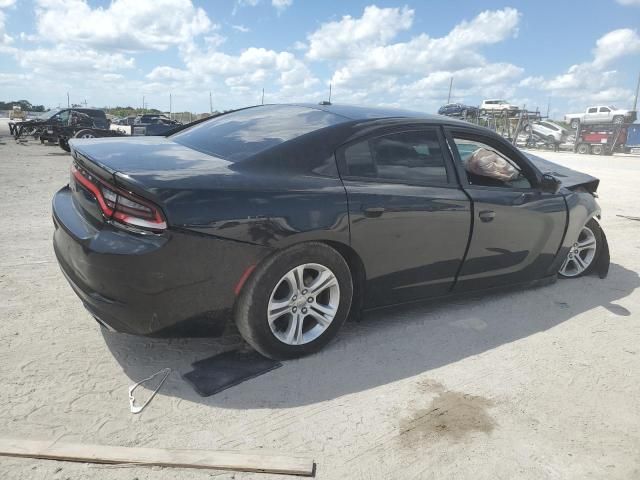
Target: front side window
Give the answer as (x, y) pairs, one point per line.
(414, 156)
(592, 110)
(604, 110)
(486, 166)
(63, 116)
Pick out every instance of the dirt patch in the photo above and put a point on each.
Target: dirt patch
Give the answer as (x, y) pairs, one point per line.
(451, 415)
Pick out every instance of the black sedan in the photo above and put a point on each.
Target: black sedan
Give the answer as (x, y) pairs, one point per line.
(458, 110)
(287, 218)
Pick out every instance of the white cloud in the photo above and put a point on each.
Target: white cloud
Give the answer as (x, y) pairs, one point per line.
(240, 75)
(629, 2)
(592, 81)
(615, 44)
(125, 25)
(348, 36)
(370, 67)
(69, 60)
(5, 38)
(281, 5)
(7, 3)
(241, 28)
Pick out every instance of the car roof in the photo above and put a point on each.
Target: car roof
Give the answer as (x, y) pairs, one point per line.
(353, 112)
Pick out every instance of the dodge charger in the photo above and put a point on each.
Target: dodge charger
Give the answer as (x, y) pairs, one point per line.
(286, 219)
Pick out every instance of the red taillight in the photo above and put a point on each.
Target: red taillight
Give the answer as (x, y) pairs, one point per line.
(116, 204)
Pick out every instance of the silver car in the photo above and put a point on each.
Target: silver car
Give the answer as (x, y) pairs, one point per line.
(549, 131)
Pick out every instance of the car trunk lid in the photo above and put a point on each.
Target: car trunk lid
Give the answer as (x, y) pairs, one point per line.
(153, 167)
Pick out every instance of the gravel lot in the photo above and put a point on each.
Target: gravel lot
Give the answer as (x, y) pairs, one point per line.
(537, 383)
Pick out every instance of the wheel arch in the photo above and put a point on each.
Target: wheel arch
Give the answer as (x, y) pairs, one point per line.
(581, 207)
(350, 256)
(358, 274)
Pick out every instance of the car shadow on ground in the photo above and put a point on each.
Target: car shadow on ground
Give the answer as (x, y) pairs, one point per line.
(386, 346)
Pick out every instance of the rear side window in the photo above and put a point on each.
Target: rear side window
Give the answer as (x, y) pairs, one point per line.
(238, 135)
(93, 113)
(414, 156)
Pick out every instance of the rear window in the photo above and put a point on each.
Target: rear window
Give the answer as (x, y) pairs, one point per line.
(242, 134)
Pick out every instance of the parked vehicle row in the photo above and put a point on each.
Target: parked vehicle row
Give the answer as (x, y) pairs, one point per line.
(487, 106)
(61, 125)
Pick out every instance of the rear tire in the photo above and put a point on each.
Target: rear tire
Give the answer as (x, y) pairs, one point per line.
(575, 124)
(583, 148)
(274, 292)
(597, 150)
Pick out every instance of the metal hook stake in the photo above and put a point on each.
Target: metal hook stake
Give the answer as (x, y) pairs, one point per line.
(132, 401)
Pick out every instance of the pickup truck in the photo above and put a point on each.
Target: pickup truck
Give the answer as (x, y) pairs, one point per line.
(600, 114)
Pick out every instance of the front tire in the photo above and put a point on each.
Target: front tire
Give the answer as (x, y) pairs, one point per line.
(583, 255)
(618, 119)
(64, 144)
(296, 301)
(85, 133)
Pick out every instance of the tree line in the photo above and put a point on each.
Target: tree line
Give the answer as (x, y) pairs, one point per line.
(25, 105)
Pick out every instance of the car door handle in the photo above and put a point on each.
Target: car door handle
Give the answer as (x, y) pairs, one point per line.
(487, 215)
(373, 212)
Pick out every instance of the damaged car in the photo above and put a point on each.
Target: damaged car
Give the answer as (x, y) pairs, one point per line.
(286, 219)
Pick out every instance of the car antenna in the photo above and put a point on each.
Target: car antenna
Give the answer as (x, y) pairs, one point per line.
(327, 102)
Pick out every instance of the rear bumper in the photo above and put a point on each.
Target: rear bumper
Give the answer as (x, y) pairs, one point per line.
(179, 283)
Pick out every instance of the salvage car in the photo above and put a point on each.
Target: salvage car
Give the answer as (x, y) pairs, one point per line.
(549, 131)
(287, 218)
(458, 110)
(496, 106)
(600, 114)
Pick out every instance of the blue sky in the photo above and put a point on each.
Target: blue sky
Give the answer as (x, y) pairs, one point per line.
(390, 53)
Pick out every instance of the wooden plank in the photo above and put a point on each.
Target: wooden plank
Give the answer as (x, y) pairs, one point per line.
(222, 460)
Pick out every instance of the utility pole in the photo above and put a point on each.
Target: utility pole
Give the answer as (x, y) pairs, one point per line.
(548, 106)
(210, 103)
(449, 96)
(329, 93)
(262, 95)
(170, 107)
(635, 100)
(68, 103)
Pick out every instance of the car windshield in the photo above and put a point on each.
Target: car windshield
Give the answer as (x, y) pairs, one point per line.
(48, 114)
(612, 107)
(241, 134)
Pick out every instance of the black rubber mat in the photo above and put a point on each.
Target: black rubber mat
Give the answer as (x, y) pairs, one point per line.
(215, 374)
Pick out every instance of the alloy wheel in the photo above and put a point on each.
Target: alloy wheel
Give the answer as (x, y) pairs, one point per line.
(303, 304)
(581, 254)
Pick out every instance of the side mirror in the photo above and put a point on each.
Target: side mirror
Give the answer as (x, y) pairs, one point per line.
(549, 183)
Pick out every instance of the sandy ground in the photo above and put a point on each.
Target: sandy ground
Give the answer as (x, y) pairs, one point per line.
(538, 383)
